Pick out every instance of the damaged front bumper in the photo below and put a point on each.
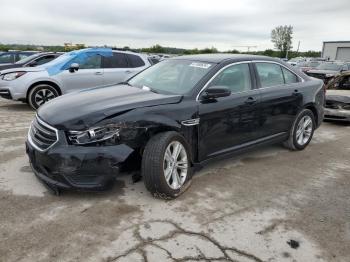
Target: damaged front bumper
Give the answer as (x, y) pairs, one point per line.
(337, 115)
(78, 167)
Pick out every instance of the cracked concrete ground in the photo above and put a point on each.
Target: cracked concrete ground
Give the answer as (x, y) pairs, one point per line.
(243, 209)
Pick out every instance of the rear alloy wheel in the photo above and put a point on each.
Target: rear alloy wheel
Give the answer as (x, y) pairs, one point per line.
(41, 94)
(166, 165)
(302, 131)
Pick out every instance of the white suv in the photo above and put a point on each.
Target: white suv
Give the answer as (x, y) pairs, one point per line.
(86, 68)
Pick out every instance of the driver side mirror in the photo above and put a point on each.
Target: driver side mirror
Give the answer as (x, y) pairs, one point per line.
(73, 67)
(214, 92)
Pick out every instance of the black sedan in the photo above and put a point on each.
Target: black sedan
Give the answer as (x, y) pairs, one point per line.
(171, 118)
(31, 61)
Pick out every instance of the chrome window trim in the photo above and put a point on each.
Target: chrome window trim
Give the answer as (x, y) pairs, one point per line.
(46, 125)
(217, 73)
(250, 62)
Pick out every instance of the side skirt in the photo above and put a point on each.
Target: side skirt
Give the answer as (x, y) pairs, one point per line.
(239, 149)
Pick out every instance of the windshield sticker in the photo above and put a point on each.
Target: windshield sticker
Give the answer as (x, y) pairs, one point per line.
(200, 65)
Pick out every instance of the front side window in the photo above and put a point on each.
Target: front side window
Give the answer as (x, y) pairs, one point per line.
(6, 58)
(43, 60)
(236, 78)
(270, 74)
(91, 62)
(289, 77)
(172, 76)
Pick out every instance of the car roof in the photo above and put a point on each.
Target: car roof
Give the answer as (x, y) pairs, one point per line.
(219, 58)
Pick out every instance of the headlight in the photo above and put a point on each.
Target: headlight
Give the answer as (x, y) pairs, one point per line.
(329, 75)
(12, 76)
(93, 135)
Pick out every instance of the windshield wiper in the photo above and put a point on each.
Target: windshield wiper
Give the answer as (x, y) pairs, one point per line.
(124, 83)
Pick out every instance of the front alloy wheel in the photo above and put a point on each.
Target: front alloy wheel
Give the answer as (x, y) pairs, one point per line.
(166, 165)
(41, 94)
(175, 165)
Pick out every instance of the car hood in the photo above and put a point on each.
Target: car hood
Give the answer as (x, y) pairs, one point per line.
(23, 69)
(322, 72)
(8, 66)
(81, 110)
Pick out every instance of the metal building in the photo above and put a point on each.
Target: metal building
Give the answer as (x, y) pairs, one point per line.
(336, 50)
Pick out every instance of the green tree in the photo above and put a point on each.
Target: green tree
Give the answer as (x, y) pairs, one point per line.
(281, 36)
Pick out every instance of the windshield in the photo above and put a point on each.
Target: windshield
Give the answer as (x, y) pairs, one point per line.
(27, 59)
(172, 76)
(330, 66)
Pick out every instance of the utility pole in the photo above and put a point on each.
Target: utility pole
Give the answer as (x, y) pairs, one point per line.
(298, 47)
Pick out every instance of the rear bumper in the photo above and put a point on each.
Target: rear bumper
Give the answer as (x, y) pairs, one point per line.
(77, 167)
(337, 115)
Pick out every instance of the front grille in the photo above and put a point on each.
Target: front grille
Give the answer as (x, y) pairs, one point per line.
(332, 105)
(41, 135)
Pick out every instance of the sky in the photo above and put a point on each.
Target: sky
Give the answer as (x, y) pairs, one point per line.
(224, 24)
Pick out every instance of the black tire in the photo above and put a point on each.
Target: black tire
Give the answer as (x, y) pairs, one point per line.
(292, 142)
(40, 91)
(153, 165)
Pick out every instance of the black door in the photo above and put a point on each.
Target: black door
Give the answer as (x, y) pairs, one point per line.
(281, 98)
(228, 122)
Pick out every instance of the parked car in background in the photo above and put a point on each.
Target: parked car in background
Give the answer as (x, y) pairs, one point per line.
(76, 70)
(172, 117)
(12, 57)
(308, 65)
(337, 106)
(296, 60)
(32, 61)
(154, 59)
(327, 70)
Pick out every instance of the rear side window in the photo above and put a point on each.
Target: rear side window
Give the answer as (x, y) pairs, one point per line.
(289, 77)
(269, 74)
(91, 62)
(118, 60)
(6, 58)
(135, 61)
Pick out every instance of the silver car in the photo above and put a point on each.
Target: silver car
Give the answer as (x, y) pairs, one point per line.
(76, 70)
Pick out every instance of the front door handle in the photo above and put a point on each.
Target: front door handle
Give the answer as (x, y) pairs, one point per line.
(250, 100)
(98, 73)
(128, 71)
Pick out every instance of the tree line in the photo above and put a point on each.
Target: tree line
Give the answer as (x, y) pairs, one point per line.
(281, 37)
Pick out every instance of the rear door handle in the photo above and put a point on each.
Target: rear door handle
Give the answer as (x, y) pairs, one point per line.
(250, 100)
(128, 71)
(98, 73)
